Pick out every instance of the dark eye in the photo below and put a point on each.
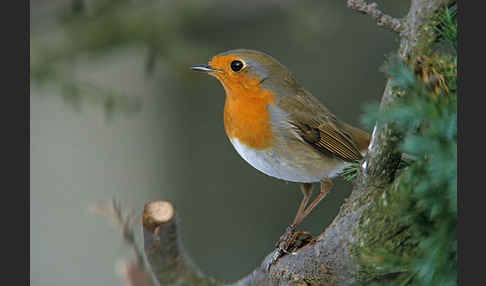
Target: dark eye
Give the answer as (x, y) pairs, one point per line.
(236, 65)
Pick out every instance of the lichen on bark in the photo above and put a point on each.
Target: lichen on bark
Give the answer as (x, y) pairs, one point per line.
(381, 230)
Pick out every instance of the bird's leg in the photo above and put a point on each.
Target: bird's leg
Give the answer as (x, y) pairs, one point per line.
(326, 186)
(306, 189)
(304, 210)
(288, 239)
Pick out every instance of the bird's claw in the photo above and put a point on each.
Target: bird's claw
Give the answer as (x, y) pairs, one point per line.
(287, 244)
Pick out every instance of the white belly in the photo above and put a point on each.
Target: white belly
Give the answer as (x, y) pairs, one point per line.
(270, 163)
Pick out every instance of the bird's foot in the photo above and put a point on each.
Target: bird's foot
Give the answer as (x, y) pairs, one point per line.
(289, 242)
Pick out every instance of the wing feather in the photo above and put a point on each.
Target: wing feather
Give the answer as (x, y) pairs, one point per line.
(317, 126)
(328, 140)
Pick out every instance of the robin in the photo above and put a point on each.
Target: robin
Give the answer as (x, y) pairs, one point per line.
(281, 129)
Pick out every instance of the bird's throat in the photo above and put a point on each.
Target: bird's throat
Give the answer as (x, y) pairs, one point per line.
(246, 116)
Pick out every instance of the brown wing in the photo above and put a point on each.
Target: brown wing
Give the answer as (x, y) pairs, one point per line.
(320, 128)
(327, 139)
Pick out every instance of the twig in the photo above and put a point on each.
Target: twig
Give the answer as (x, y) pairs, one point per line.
(382, 19)
(133, 273)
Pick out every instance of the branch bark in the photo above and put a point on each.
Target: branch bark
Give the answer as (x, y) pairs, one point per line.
(164, 250)
(366, 220)
(382, 19)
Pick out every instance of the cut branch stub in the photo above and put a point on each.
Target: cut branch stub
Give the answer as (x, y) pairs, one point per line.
(163, 248)
(157, 213)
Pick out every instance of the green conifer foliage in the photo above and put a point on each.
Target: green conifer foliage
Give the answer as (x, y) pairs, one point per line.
(426, 113)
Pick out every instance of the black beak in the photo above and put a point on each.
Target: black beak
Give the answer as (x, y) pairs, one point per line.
(203, 68)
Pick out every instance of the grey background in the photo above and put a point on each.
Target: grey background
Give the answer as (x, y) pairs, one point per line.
(171, 144)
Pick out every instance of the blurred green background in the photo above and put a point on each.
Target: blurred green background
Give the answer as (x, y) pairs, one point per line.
(116, 112)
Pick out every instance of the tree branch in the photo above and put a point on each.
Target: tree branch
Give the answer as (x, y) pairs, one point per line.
(381, 18)
(382, 159)
(164, 250)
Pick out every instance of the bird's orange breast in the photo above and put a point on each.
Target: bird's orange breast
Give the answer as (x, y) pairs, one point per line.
(246, 115)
